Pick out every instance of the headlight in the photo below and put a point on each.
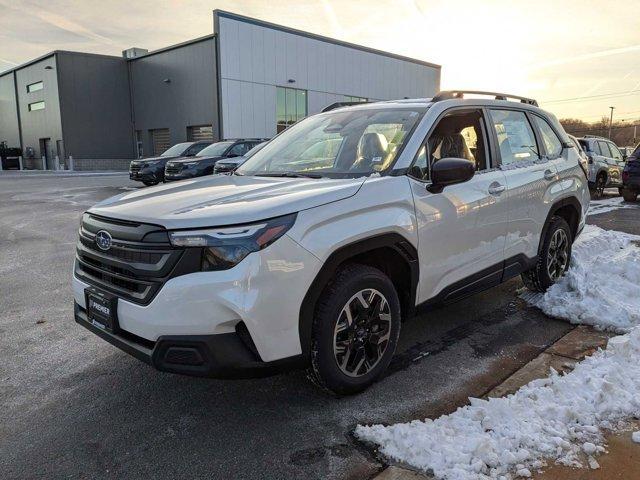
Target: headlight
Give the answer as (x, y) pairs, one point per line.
(225, 247)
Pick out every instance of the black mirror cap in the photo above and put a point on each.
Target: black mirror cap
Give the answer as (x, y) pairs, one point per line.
(449, 171)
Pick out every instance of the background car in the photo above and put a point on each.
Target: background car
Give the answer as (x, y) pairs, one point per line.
(227, 165)
(626, 151)
(631, 176)
(204, 162)
(584, 159)
(150, 171)
(605, 164)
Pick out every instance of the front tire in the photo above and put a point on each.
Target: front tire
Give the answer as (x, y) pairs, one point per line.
(355, 330)
(150, 184)
(628, 195)
(554, 259)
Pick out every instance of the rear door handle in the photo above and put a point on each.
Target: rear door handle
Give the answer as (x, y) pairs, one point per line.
(496, 188)
(549, 175)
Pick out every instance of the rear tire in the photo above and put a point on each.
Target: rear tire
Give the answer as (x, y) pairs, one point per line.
(554, 258)
(628, 195)
(355, 330)
(150, 184)
(597, 190)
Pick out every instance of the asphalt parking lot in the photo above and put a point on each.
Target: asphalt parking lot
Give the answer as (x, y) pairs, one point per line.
(73, 406)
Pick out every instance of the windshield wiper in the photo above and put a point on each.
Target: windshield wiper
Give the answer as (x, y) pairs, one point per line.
(289, 175)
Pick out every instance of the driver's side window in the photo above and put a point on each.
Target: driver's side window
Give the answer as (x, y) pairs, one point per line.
(459, 134)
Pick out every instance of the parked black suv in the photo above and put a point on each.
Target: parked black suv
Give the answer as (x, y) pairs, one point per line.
(631, 176)
(150, 171)
(204, 162)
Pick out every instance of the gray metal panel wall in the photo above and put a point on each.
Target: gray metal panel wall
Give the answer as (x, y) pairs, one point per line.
(9, 131)
(255, 58)
(190, 98)
(95, 106)
(41, 123)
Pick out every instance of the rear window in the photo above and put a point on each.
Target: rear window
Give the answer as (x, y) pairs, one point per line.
(585, 145)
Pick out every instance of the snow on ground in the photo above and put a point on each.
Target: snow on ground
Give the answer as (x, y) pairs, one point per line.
(608, 205)
(602, 286)
(559, 418)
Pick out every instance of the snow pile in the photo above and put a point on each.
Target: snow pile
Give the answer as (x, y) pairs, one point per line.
(558, 418)
(602, 286)
(608, 205)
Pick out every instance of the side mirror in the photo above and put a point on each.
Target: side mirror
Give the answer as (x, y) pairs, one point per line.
(190, 155)
(232, 155)
(449, 171)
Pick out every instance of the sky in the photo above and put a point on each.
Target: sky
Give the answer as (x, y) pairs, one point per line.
(577, 58)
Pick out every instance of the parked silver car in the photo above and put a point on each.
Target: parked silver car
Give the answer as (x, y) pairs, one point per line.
(605, 163)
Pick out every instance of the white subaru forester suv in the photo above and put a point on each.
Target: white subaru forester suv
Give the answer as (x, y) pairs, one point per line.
(313, 252)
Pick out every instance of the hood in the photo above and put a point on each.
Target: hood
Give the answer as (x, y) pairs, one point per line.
(224, 200)
(232, 160)
(192, 159)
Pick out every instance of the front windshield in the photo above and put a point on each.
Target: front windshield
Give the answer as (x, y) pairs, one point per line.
(214, 150)
(336, 144)
(176, 150)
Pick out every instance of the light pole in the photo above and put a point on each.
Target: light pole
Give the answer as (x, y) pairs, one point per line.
(611, 121)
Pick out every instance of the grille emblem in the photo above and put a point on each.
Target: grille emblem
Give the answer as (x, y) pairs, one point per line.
(103, 240)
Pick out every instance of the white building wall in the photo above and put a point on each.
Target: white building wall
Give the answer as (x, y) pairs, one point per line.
(255, 58)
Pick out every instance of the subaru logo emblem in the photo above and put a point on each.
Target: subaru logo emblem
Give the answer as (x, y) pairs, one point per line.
(103, 240)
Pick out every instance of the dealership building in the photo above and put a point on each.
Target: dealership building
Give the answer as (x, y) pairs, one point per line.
(248, 79)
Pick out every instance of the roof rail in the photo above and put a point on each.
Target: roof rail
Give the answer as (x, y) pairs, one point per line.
(451, 94)
(594, 136)
(335, 105)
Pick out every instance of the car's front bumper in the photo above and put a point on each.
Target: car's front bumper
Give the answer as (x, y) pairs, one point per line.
(217, 356)
(263, 292)
(146, 175)
(183, 175)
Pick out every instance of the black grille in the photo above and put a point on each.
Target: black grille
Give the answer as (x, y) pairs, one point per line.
(173, 168)
(134, 167)
(139, 262)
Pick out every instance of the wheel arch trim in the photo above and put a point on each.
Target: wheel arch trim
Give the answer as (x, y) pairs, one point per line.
(395, 241)
(567, 201)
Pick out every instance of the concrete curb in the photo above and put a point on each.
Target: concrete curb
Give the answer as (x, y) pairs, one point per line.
(562, 356)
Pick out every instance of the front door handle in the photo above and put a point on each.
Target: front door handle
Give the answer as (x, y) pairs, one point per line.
(496, 188)
(549, 175)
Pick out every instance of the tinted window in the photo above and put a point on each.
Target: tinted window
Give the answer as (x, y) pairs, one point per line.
(195, 148)
(176, 150)
(515, 136)
(291, 106)
(239, 149)
(604, 149)
(596, 148)
(615, 153)
(215, 149)
(585, 145)
(552, 144)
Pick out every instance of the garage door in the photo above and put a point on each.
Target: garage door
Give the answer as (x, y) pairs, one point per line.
(200, 133)
(160, 140)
